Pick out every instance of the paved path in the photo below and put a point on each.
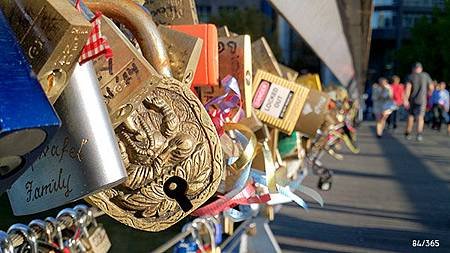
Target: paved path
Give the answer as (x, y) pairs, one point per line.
(394, 191)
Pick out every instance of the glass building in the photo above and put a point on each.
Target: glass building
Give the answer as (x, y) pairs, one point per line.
(391, 23)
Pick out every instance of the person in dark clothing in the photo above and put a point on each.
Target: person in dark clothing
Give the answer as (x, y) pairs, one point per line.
(415, 100)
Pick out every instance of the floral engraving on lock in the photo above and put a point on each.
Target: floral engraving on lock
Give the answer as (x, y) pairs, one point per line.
(164, 139)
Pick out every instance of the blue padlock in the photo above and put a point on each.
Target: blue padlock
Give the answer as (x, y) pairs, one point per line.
(185, 246)
(27, 119)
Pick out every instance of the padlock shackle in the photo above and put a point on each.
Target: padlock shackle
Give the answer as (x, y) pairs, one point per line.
(140, 23)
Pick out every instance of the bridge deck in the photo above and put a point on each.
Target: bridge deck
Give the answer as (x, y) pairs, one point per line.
(394, 191)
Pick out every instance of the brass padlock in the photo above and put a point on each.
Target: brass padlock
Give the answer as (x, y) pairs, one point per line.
(52, 33)
(183, 52)
(228, 225)
(173, 12)
(311, 81)
(263, 58)
(94, 237)
(223, 31)
(288, 73)
(125, 83)
(313, 113)
(277, 101)
(168, 143)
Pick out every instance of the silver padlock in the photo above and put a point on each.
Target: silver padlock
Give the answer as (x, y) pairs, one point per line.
(5, 244)
(82, 159)
(94, 236)
(56, 232)
(72, 240)
(30, 238)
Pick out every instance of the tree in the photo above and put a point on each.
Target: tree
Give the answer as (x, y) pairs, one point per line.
(430, 45)
(249, 21)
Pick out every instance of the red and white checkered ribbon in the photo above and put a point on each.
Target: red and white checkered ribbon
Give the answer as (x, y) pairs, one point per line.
(97, 44)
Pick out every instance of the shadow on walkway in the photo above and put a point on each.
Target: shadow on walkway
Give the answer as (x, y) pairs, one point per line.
(419, 188)
(367, 238)
(426, 192)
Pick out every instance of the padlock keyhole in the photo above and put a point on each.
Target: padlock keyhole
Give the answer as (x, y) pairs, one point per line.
(175, 188)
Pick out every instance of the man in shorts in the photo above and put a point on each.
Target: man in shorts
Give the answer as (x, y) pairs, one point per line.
(415, 100)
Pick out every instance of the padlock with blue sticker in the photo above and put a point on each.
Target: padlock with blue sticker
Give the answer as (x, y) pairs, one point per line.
(186, 246)
(27, 119)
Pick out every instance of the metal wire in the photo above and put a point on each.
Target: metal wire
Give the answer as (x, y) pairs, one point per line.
(169, 244)
(64, 222)
(238, 231)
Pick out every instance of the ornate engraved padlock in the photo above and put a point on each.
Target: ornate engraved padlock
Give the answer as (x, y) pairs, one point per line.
(168, 143)
(83, 158)
(27, 119)
(52, 34)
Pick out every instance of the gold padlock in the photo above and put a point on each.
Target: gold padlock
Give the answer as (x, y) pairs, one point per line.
(128, 80)
(288, 73)
(223, 31)
(311, 81)
(313, 113)
(263, 58)
(173, 12)
(168, 143)
(228, 225)
(277, 101)
(269, 212)
(184, 53)
(52, 34)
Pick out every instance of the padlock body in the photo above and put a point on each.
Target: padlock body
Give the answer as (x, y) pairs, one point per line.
(126, 82)
(263, 58)
(313, 113)
(208, 67)
(235, 59)
(168, 12)
(52, 35)
(312, 81)
(288, 73)
(277, 101)
(83, 158)
(184, 53)
(27, 119)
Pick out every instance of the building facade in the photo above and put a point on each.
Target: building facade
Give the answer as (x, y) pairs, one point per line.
(293, 50)
(391, 23)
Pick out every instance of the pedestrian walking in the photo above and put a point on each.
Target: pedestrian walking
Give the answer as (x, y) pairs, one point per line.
(428, 112)
(440, 105)
(383, 103)
(416, 99)
(398, 92)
